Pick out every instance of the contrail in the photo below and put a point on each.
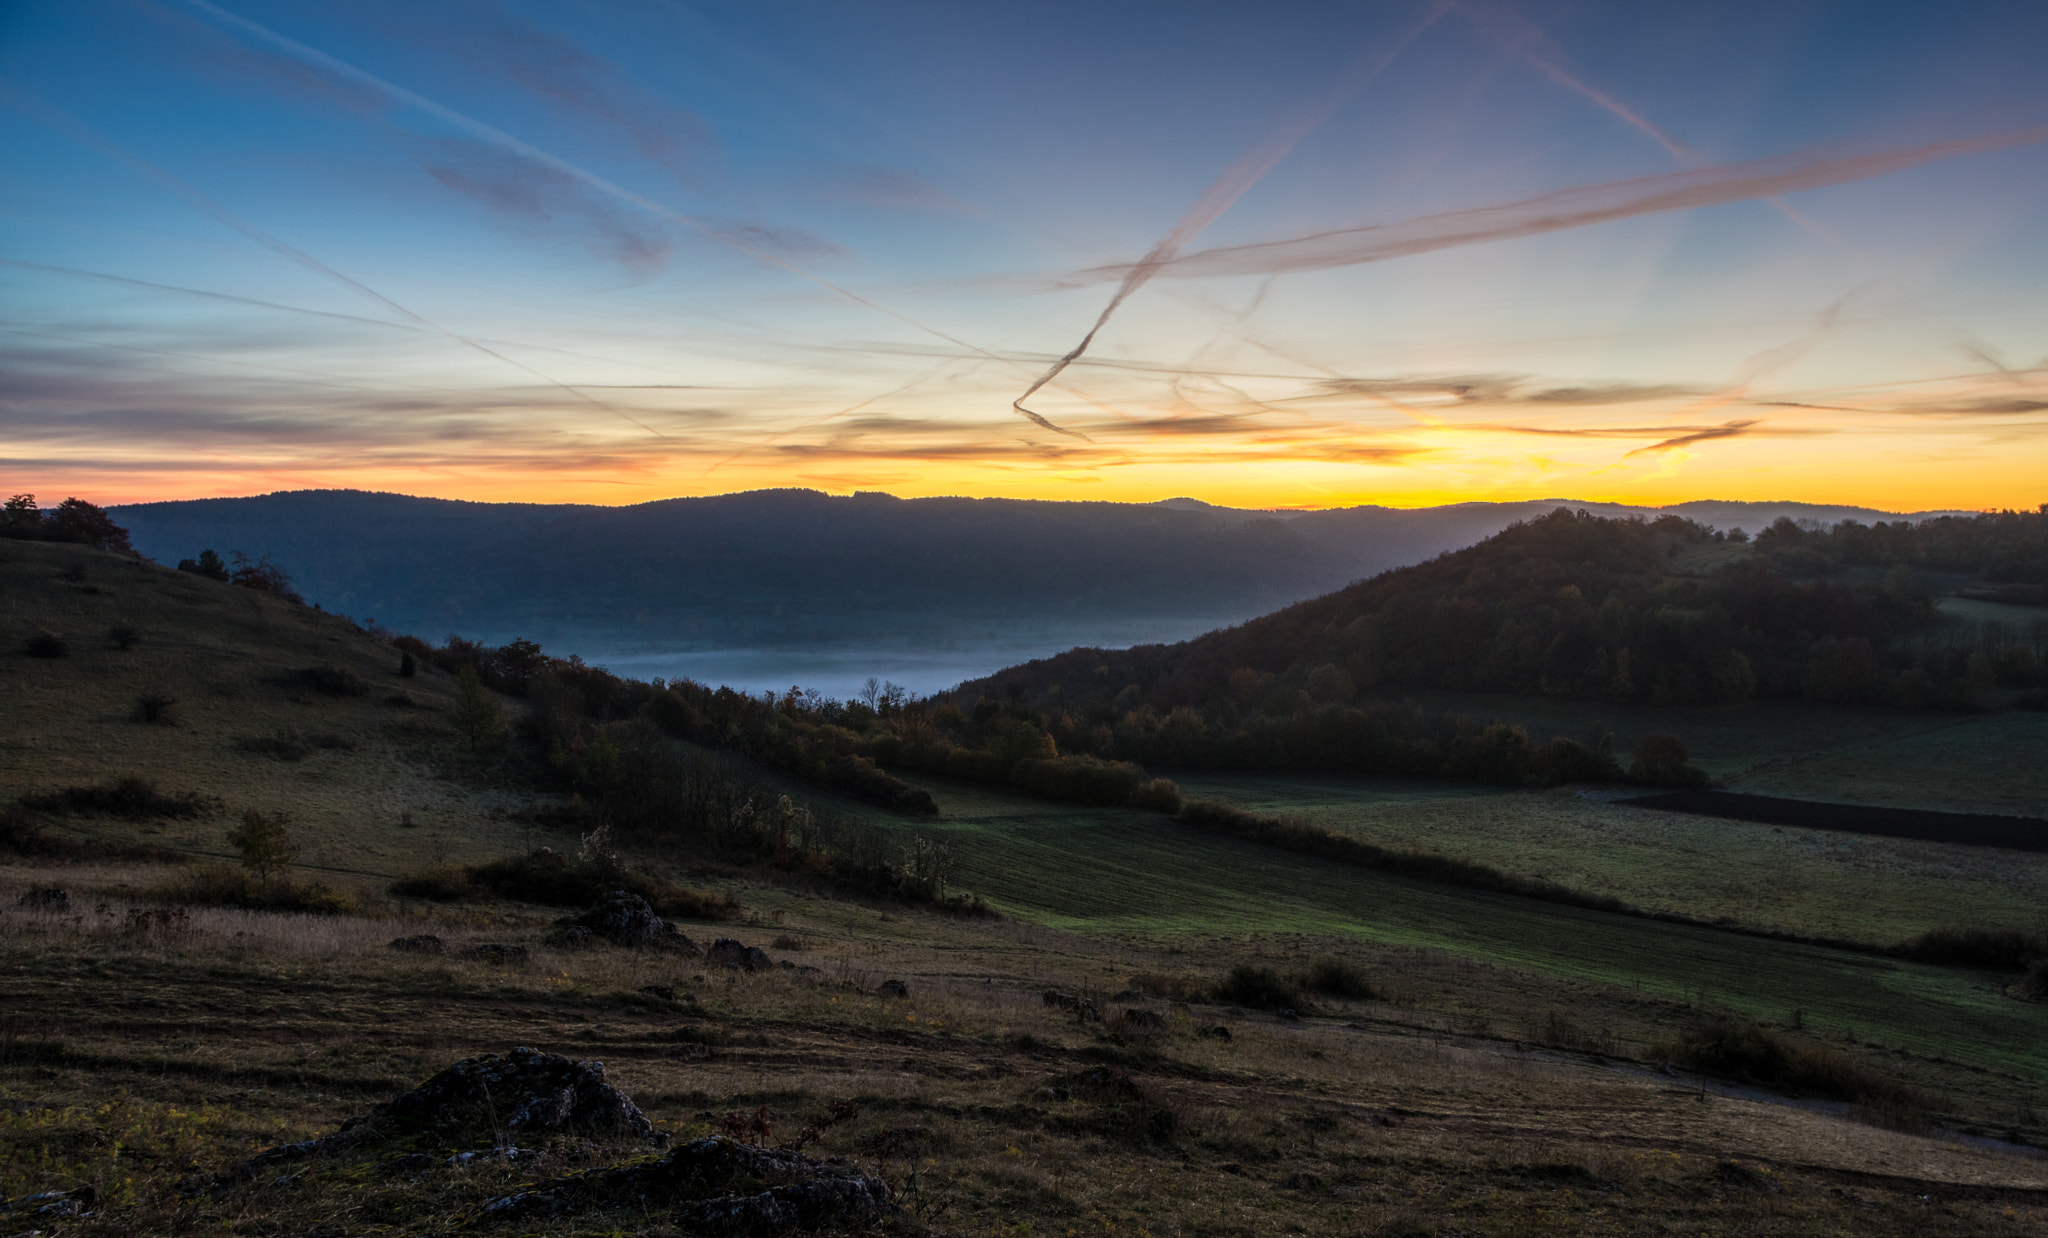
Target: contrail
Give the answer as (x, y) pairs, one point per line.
(505, 141)
(1567, 209)
(79, 132)
(1523, 42)
(1226, 189)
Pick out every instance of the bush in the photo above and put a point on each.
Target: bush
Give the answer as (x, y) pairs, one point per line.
(331, 680)
(155, 708)
(1335, 977)
(46, 645)
(1260, 988)
(208, 564)
(222, 885)
(440, 883)
(1660, 760)
(549, 877)
(1081, 779)
(266, 844)
(1170, 986)
(1990, 949)
(1159, 795)
(1741, 1050)
(134, 798)
(21, 835)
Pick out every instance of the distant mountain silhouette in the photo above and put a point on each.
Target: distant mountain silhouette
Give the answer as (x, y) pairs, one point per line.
(797, 566)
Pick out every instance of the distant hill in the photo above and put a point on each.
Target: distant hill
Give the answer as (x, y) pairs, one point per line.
(798, 566)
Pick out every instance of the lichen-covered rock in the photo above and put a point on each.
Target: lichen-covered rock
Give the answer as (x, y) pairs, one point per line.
(728, 952)
(622, 919)
(716, 1187)
(485, 1102)
(524, 1093)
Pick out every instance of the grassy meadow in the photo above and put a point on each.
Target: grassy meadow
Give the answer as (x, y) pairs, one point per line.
(1501, 1066)
(1809, 883)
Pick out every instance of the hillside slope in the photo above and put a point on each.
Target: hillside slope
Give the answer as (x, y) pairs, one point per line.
(246, 724)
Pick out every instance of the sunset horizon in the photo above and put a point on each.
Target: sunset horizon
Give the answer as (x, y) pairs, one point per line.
(1409, 255)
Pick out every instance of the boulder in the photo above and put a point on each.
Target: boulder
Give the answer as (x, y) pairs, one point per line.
(492, 1098)
(623, 919)
(716, 1187)
(424, 943)
(728, 952)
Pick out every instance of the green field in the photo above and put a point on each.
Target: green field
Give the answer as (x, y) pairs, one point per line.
(1811, 883)
(1123, 872)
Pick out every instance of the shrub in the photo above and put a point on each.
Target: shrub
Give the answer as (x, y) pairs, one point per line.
(21, 835)
(476, 712)
(439, 883)
(1159, 795)
(1171, 986)
(1660, 760)
(1741, 1050)
(208, 564)
(46, 645)
(547, 876)
(1260, 988)
(222, 885)
(263, 576)
(1991, 949)
(331, 680)
(1082, 779)
(265, 843)
(155, 708)
(134, 798)
(1335, 977)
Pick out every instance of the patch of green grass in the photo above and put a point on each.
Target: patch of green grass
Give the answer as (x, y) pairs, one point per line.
(1808, 883)
(1119, 871)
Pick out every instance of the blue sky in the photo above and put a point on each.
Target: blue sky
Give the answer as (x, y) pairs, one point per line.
(1407, 252)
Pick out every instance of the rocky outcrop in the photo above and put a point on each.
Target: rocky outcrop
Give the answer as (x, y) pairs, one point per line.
(622, 919)
(490, 1101)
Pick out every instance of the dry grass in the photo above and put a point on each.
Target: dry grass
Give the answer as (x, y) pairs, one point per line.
(239, 1030)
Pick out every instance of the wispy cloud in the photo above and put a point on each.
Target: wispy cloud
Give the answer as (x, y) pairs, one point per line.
(1572, 208)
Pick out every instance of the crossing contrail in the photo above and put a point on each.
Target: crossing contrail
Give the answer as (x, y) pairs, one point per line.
(1566, 209)
(1227, 188)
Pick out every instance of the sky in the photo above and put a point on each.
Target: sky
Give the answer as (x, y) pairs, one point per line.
(1278, 256)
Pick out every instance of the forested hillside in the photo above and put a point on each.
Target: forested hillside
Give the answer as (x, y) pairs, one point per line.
(782, 567)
